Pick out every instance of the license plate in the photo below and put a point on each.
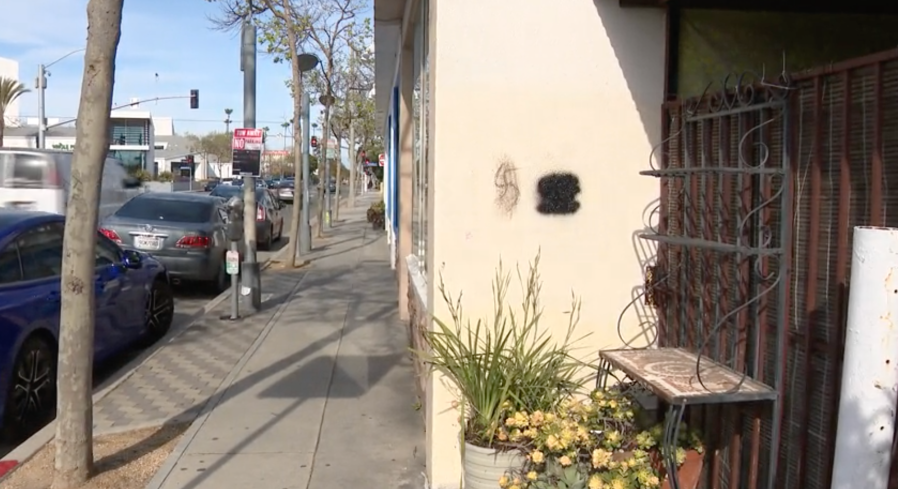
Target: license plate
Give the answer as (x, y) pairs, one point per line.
(147, 243)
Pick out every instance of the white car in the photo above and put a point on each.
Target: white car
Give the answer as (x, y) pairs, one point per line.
(39, 180)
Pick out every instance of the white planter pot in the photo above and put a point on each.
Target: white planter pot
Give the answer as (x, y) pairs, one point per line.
(485, 466)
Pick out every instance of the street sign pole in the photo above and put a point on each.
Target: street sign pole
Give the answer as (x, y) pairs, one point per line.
(247, 153)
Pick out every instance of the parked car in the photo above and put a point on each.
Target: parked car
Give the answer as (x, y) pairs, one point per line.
(39, 180)
(210, 185)
(286, 189)
(269, 218)
(184, 231)
(133, 304)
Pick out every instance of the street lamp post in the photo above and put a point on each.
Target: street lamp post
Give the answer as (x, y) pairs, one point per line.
(306, 62)
(41, 86)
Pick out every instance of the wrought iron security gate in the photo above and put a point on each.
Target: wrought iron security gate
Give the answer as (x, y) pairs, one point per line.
(720, 282)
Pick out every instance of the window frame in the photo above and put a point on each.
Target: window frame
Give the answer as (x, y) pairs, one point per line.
(14, 245)
(56, 225)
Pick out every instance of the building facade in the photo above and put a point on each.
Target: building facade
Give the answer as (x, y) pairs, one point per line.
(525, 136)
(132, 138)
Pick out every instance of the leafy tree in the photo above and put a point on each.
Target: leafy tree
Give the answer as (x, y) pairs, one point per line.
(213, 146)
(10, 90)
(74, 421)
(288, 29)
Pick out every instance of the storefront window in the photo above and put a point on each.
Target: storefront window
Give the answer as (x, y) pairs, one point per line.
(133, 160)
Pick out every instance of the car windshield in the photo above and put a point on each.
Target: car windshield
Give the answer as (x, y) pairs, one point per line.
(228, 191)
(150, 209)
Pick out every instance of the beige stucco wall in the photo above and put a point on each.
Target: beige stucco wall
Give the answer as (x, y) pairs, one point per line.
(573, 86)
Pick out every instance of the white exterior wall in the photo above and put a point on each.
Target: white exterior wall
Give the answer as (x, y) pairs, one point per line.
(10, 69)
(552, 87)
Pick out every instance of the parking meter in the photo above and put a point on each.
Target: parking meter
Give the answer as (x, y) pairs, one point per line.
(232, 259)
(235, 219)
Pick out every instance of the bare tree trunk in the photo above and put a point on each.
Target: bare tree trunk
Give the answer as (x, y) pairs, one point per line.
(339, 164)
(2, 128)
(74, 422)
(295, 219)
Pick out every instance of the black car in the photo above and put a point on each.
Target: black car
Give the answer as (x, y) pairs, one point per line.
(269, 219)
(210, 185)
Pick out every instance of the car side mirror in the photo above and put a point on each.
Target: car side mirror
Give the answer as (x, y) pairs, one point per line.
(131, 182)
(131, 259)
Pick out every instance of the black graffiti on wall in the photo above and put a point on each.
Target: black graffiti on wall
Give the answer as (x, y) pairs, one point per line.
(558, 194)
(506, 182)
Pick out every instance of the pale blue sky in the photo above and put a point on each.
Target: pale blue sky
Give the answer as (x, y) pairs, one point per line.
(171, 38)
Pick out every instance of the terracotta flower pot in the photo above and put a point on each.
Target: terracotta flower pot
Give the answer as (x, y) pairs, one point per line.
(485, 466)
(689, 473)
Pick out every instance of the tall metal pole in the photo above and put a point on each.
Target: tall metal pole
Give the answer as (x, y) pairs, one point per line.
(328, 213)
(41, 85)
(869, 395)
(252, 280)
(305, 229)
(353, 162)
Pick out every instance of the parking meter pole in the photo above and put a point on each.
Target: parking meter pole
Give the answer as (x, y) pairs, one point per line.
(252, 283)
(235, 287)
(232, 258)
(305, 227)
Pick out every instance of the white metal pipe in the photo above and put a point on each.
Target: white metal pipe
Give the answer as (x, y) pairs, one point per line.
(869, 396)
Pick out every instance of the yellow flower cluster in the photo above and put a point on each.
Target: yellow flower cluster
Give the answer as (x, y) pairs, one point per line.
(598, 436)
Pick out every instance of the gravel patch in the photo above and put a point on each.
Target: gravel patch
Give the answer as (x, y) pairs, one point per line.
(125, 460)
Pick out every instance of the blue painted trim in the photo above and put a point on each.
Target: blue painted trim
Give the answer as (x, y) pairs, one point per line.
(394, 172)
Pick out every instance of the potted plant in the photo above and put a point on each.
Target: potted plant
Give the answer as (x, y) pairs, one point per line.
(602, 442)
(376, 214)
(500, 366)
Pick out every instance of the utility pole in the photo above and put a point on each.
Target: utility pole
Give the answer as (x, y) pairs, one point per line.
(305, 229)
(252, 280)
(353, 161)
(41, 86)
(352, 151)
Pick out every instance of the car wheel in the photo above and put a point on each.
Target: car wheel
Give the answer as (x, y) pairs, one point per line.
(160, 310)
(31, 400)
(269, 240)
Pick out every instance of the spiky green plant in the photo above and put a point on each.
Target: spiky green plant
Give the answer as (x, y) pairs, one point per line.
(506, 363)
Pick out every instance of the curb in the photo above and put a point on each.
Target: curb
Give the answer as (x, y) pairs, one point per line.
(27, 449)
(175, 456)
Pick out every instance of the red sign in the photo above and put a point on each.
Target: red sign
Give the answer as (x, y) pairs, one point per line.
(382, 159)
(249, 139)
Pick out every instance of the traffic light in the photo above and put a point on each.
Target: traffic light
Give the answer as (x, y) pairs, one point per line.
(194, 99)
(314, 142)
(189, 158)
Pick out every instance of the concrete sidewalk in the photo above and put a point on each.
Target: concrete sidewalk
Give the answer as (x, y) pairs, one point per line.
(325, 396)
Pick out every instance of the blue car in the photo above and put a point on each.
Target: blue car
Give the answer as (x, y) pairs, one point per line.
(134, 304)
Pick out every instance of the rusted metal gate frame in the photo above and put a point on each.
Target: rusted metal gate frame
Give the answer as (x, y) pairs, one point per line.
(754, 106)
(833, 349)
